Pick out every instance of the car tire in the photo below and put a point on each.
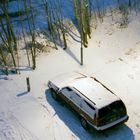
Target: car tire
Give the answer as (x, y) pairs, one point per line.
(84, 123)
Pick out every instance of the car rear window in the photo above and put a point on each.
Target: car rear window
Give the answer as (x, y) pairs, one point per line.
(111, 112)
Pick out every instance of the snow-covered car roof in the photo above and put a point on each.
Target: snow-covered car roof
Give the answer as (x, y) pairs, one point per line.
(87, 86)
(95, 91)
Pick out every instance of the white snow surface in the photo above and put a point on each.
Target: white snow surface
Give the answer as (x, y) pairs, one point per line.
(113, 56)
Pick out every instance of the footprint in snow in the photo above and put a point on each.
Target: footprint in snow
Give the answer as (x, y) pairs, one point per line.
(131, 76)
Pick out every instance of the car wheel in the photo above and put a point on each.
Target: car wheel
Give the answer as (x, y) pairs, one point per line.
(54, 95)
(84, 123)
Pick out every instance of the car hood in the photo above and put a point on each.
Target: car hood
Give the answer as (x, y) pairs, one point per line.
(63, 80)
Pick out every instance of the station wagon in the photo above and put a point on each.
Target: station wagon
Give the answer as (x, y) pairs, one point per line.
(96, 104)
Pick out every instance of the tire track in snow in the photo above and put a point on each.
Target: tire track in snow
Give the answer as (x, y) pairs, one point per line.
(11, 129)
(55, 128)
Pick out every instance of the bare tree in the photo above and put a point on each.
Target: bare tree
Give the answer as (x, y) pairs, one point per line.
(55, 21)
(3, 60)
(31, 26)
(50, 21)
(60, 22)
(82, 16)
(124, 12)
(23, 32)
(7, 35)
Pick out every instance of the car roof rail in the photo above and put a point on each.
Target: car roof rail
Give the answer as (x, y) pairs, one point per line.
(80, 73)
(102, 84)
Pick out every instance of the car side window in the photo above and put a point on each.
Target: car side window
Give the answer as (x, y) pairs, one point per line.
(66, 91)
(76, 98)
(68, 88)
(88, 108)
(72, 95)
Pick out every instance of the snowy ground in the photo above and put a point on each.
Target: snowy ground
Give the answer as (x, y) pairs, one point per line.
(113, 57)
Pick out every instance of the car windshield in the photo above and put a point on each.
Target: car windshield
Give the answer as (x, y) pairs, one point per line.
(111, 112)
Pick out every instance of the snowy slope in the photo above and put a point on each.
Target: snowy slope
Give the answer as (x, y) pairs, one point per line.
(113, 57)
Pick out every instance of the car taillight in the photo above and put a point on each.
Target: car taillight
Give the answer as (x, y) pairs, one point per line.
(100, 122)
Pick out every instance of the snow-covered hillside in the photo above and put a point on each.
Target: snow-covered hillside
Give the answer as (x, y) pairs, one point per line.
(113, 56)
